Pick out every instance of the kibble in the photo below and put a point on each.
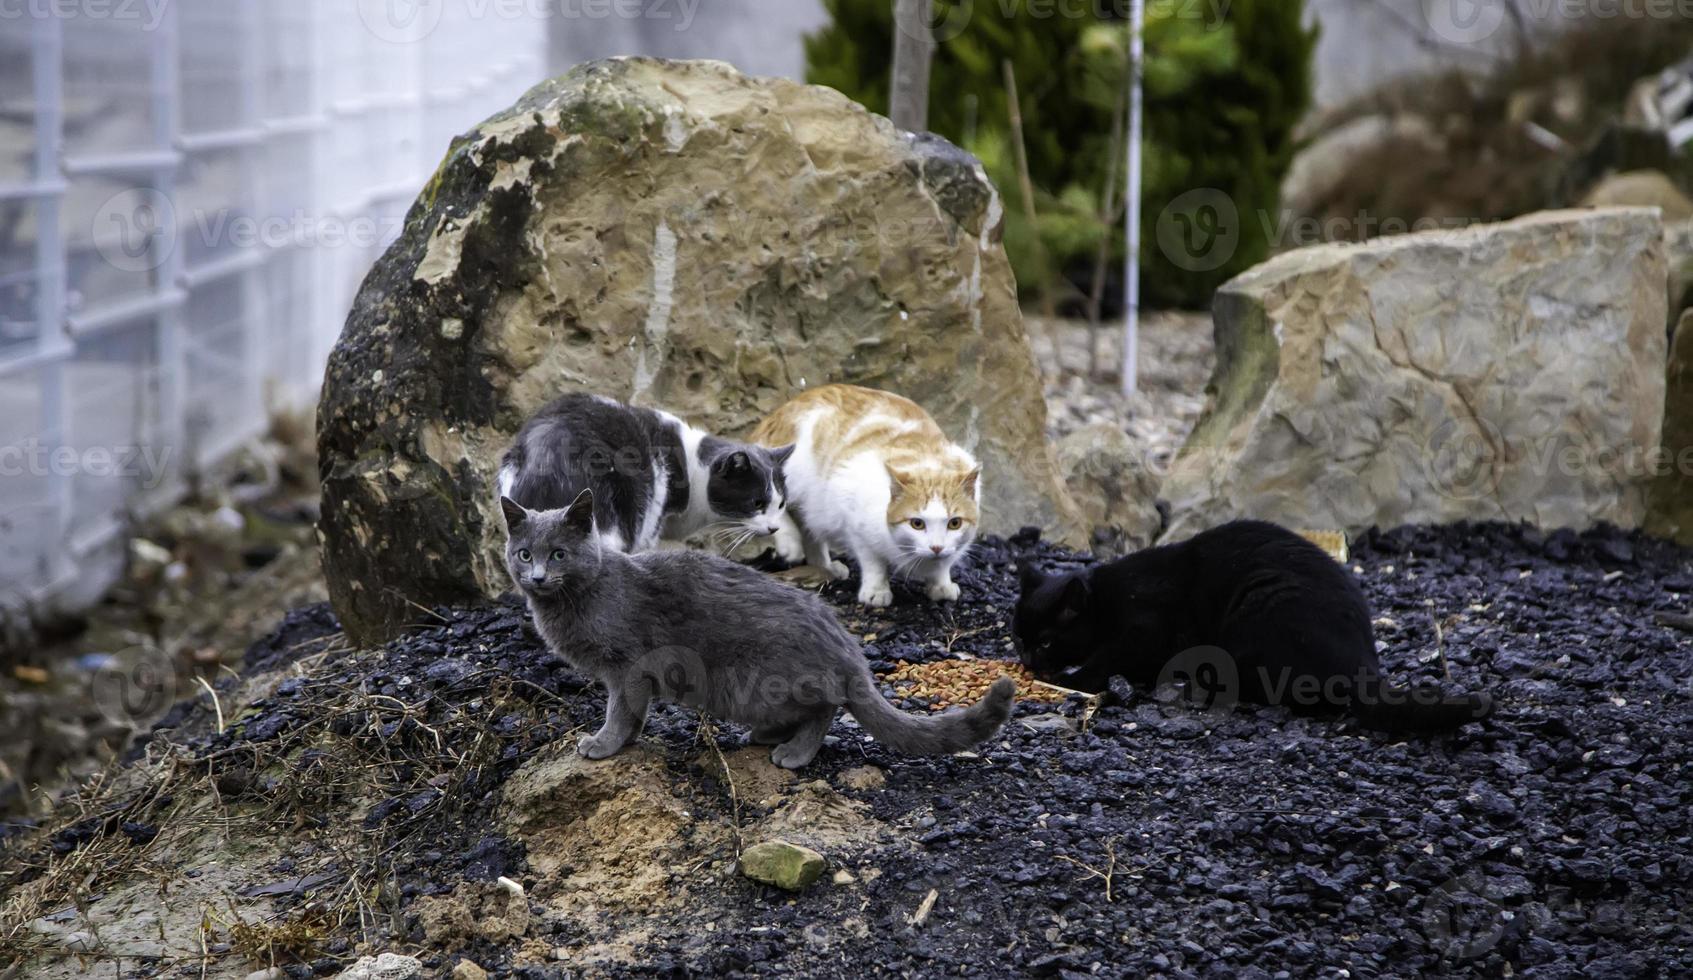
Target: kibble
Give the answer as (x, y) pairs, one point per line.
(953, 683)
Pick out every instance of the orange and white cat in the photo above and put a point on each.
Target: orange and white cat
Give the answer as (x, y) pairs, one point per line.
(873, 475)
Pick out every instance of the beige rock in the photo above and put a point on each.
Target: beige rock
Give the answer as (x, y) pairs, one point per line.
(1678, 252)
(785, 865)
(1510, 372)
(1670, 512)
(467, 970)
(388, 966)
(676, 234)
(864, 778)
(1334, 155)
(1114, 485)
(1642, 189)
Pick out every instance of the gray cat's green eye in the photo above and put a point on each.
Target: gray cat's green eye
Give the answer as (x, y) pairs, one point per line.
(558, 555)
(524, 555)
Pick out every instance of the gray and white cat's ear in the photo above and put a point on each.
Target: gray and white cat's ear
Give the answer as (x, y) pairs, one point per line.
(579, 516)
(1030, 577)
(515, 513)
(779, 457)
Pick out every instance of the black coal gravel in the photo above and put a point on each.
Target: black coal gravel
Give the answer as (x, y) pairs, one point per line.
(1553, 839)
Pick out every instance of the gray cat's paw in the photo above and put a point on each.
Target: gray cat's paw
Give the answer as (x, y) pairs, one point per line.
(838, 570)
(879, 597)
(788, 757)
(789, 551)
(946, 591)
(593, 747)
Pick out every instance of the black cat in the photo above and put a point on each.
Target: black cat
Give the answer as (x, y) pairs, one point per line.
(1246, 611)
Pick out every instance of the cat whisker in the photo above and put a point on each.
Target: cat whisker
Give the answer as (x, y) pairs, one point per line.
(907, 565)
(741, 534)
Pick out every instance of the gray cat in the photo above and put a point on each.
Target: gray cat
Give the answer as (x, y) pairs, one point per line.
(714, 635)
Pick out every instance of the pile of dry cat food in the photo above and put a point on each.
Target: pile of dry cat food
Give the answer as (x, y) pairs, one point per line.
(952, 683)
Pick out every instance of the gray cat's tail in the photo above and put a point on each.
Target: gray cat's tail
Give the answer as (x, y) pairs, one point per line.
(952, 731)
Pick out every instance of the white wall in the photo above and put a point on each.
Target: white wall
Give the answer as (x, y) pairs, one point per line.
(190, 194)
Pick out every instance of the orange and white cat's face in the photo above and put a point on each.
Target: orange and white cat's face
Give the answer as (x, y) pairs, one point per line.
(934, 511)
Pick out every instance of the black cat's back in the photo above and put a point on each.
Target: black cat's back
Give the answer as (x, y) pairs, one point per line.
(1259, 591)
(1281, 605)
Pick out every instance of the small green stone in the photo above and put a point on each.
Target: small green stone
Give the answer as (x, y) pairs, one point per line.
(782, 864)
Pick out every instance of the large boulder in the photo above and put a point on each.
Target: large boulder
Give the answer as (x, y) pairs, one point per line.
(1507, 372)
(1114, 484)
(676, 234)
(1641, 189)
(1678, 251)
(1670, 513)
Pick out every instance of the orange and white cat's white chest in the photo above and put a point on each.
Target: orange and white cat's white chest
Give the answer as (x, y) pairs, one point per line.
(850, 496)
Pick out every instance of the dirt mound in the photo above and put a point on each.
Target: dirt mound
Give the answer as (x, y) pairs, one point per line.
(604, 834)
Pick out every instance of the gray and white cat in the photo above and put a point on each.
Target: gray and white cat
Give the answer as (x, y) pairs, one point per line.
(714, 635)
(653, 475)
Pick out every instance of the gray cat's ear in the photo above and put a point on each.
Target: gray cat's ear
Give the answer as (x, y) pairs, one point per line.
(580, 515)
(779, 457)
(1030, 577)
(514, 512)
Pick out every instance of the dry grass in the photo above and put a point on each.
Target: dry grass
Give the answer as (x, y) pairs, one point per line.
(330, 781)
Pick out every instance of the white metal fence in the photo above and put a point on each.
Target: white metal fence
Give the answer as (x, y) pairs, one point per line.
(190, 194)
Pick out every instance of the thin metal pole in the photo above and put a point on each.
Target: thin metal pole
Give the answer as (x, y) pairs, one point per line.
(914, 49)
(1131, 211)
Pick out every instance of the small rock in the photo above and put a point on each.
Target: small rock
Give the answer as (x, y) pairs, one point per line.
(466, 970)
(863, 778)
(1049, 723)
(31, 675)
(844, 877)
(388, 966)
(147, 559)
(782, 864)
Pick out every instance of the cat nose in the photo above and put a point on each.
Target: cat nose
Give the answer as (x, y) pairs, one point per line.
(537, 578)
(937, 549)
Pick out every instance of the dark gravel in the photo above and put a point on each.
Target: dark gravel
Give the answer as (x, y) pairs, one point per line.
(1551, 840)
